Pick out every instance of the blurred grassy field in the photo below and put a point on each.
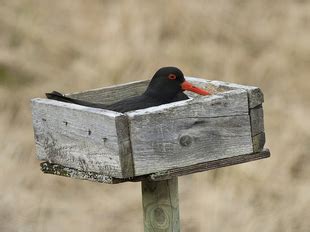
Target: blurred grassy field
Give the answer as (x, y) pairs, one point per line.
(74, 45)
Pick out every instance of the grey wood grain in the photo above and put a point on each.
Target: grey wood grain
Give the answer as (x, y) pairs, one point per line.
(190, 132)
(210, 165)
(124, 145)
(161, 205)
(257, 120)
(258, 142)
(111, 94)
(84, 138)
(255, 95)
(60, 170)
(231, 102)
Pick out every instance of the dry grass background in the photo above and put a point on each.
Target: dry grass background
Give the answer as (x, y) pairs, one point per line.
(74, 45)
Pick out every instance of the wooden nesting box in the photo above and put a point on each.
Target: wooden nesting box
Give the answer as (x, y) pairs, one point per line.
(182, 137)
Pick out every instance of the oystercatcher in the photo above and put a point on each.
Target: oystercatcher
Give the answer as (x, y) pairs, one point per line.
(166, 86)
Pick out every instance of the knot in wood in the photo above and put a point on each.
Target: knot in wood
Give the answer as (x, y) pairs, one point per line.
(160, 216)
(185, 140)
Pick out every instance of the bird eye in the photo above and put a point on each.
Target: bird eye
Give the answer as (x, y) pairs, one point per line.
(172, 77)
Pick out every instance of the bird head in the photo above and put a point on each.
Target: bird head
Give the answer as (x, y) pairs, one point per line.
(168, 82)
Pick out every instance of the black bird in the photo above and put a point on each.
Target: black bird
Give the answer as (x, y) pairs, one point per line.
(166, 86)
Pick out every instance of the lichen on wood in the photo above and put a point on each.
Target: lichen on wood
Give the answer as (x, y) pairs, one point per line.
(60, 170)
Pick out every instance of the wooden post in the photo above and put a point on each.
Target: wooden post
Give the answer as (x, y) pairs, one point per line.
(182, 138)
(160, 201)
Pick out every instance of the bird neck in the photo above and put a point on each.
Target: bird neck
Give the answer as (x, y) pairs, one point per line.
(163, 97)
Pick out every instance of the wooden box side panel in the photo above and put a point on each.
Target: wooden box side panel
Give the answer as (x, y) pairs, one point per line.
(190, 132)
(255, 99)
(79, 137)
(108, 95)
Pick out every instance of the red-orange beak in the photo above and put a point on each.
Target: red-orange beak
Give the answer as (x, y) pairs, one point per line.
(188, 86)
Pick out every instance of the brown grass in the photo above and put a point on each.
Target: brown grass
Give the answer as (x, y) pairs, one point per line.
(74, 45)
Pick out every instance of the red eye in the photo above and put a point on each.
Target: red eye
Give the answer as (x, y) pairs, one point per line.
(172, 77)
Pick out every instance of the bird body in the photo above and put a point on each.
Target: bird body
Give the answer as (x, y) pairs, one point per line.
(166, 86)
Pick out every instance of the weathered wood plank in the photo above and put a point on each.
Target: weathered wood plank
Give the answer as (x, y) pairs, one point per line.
(111, 94)
(257, 126)
(255, 95)
(232, 102)
(257, 120)
(258, 142)
(56, 169)
(124, 144)
(60, 170)
(84, 138)
(190, 132)
(161, 205)
(206, 166)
